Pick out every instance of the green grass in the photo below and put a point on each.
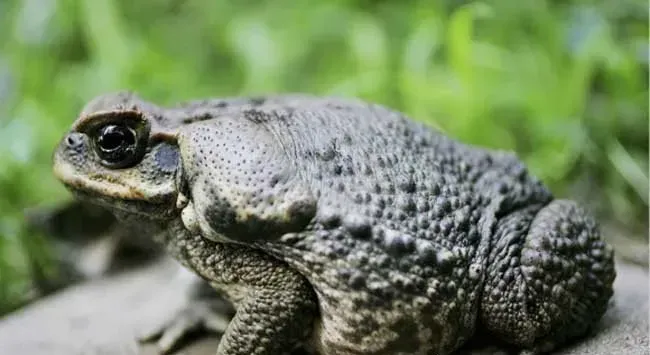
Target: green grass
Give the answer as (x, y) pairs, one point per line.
(566, 86)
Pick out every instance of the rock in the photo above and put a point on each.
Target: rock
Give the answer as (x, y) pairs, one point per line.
(103, 316)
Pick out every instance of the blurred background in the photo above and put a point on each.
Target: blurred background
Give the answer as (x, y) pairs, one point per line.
(562, 83)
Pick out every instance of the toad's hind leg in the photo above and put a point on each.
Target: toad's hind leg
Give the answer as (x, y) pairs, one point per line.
(275, 306)
(550, 276)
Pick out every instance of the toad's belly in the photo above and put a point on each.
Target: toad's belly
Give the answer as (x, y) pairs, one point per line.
(374, 303)
(414, 326)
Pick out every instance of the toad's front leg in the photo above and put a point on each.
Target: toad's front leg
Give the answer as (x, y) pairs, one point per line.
(275, 306)
(204, 310)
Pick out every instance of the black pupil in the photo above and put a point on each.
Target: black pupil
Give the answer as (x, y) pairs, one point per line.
(113, 137)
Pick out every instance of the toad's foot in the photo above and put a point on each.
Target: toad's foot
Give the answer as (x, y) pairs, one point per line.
(199, 316)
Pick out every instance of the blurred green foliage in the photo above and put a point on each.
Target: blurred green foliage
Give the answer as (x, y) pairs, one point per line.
(565, 84)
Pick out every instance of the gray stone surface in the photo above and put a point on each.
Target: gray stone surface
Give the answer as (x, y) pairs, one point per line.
(103, 316)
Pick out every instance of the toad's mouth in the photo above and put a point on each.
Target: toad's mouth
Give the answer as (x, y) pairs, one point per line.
(127, 207)
(101, 188)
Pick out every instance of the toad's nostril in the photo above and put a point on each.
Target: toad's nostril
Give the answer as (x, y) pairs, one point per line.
(73, 140)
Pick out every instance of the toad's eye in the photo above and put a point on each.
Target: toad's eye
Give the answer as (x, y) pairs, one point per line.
(116, 145)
